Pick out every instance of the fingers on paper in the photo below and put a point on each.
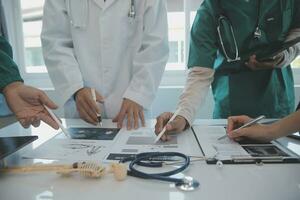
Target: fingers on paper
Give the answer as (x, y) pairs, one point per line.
(234, 122)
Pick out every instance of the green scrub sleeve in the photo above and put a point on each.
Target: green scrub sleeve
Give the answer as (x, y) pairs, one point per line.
(203, 43)
(8, 69)
(296, 16)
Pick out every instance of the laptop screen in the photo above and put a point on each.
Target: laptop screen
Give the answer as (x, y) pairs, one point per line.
(9, 145)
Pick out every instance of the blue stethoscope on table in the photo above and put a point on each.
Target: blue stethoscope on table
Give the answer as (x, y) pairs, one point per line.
(154, 160)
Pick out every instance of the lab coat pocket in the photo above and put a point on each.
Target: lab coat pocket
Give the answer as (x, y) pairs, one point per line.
(78, 13)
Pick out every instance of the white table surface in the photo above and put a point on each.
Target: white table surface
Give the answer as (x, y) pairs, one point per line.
(269, 181)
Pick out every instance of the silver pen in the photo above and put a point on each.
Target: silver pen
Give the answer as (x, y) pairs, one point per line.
(165, 127)
(58, 122)
(95, 99)
(251, 122)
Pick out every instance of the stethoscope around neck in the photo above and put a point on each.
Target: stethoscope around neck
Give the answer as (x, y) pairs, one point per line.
(150, 159)
(222, 20)
(132, 12)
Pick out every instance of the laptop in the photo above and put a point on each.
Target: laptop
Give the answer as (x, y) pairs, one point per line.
(9, 145)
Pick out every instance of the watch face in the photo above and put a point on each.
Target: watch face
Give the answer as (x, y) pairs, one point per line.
(9, 145)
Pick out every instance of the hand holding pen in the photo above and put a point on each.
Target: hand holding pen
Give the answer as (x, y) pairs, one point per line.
(57, 120)
(87, 106)
(99, 117)
(231, 127)
(254, 131)
(169, 123)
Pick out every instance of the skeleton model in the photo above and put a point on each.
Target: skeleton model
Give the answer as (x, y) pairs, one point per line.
(87, 169)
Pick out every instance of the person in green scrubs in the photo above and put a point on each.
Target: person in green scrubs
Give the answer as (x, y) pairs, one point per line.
(230, 40)
(24, 101)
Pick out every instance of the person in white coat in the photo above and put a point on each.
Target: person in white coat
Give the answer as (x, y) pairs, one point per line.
(118, 47)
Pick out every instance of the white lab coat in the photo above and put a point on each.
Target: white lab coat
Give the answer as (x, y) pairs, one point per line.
(89, 43)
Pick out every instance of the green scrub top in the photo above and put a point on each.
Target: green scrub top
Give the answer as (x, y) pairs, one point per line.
(8, 69)
(236, 88)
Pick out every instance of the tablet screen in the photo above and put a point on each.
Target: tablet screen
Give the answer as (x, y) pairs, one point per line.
(9, 145)
(276, 50)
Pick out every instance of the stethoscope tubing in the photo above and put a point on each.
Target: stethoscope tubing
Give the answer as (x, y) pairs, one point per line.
(164, 176)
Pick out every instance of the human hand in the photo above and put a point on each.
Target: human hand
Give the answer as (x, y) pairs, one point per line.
(86, 105)
(259, 65)
(27, 103)
(176, 126)
(133, 111)
(259, 132)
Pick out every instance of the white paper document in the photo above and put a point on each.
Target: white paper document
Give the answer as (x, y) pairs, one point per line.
(70, 149)
(142, 140)
(223, 149)
(107, 145)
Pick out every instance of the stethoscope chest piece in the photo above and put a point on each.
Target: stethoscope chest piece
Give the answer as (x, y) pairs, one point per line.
(187, 184)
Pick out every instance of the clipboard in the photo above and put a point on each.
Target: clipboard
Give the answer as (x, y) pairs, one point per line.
(251, 151)
(282, 155)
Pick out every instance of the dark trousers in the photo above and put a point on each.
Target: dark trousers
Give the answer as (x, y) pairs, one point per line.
(298, 107)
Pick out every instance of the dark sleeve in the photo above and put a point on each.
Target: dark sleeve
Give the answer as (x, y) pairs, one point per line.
(203, 44)
(8, 69)
(296, 15)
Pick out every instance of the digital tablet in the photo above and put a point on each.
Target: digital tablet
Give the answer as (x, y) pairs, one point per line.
(9, 145)
(277, 50)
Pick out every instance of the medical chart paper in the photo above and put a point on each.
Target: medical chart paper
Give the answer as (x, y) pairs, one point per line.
(224, 149)
(121, 145)
(87, 143)
(133, 142)
(71, 150)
